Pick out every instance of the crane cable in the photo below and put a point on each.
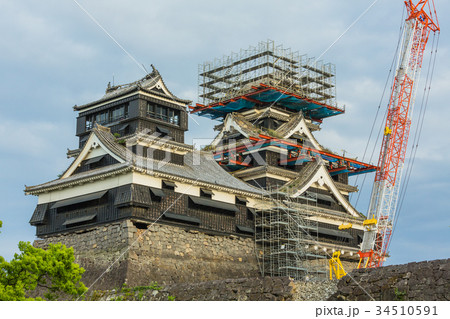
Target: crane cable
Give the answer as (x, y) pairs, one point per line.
(418, 132)
(378, 110)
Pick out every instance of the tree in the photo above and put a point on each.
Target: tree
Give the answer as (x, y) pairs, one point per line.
(51, 272)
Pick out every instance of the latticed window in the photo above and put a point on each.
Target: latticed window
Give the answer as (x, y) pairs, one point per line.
(118, 113)
(163, 113)
(108, 116)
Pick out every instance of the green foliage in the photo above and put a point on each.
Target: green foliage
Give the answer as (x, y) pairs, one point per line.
(399, 295)
(96, 295)
(171, 298)
(273, 133)
(116, 135)
(118, 298)
(154, 286)
(125, 288)
(208, 148)
(136, 293)
(51, 271)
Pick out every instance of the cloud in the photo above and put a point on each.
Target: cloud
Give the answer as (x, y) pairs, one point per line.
(37, 40)
(31, 138)
(53, 56)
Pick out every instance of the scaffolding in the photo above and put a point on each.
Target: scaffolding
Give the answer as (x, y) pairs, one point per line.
(236, 74)
(284, 235)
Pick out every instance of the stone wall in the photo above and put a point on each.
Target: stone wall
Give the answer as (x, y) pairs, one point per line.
(168, 254)
(426, 281)
(96, 249)
(243, 289)
(314, 290)
(163, 253)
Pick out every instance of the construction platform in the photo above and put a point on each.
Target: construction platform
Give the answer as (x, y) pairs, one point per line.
(267, 75)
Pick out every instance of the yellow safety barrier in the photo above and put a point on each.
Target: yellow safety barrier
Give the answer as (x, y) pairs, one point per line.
(369, 222)
(336, 266)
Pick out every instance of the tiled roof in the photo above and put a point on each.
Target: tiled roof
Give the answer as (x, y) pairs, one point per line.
(147, 83)
(138, 138)
(245, 125)
(199, 167)
(303, 178)
(76, 178)
(270, 112)
(266, 169)
(287, 127)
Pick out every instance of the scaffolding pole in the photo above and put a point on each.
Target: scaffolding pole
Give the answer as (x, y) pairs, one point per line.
(284, 235)
(237, 73)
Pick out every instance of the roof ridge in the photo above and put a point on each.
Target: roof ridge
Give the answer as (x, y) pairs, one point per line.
(146, 83)
(149, 76)
(286, 127)
(303, 176)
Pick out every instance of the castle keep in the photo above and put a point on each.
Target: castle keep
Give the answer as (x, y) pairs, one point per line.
(265, 198)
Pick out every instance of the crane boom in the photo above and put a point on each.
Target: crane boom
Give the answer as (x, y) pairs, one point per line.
(420, 23)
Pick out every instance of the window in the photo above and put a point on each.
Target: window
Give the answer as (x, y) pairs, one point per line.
(163, 113)
(203, 203)
(118, 113)
(162, 131)
(81, 220)
(250, 214)
(125, 129)
(168, 185)
(101, 118)
(108, 116)
(241, 200)
(89, 122)
(95, 162)
(206, 193)
(182, 218)
(323, 202)
(83, 202)
(173, 117)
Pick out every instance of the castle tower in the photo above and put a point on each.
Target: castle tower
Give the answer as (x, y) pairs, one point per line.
(138, 198)
(140, 205)
(270, 101)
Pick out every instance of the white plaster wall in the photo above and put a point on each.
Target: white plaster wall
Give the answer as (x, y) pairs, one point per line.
(187, 189)
(146, 180)
(224, 197)
(95, 152)
(87, 188)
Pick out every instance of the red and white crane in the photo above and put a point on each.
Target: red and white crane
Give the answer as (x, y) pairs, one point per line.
(421, 21)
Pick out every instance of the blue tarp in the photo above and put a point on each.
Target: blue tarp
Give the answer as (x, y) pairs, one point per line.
(310, 109)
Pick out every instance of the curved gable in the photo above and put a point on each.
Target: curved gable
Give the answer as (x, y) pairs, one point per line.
(93, 147)
(298, 124)
(316, 172)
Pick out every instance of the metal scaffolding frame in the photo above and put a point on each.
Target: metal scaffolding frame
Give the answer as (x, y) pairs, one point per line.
(283, 234)
(235, 74)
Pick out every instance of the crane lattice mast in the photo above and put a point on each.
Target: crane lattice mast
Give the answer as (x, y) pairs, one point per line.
(421, 21)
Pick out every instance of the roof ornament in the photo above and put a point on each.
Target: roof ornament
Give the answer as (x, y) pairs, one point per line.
(154, 70)
(101, 128)
(154, 73)
(110, 88)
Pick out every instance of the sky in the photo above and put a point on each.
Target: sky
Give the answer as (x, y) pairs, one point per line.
(54, 56)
